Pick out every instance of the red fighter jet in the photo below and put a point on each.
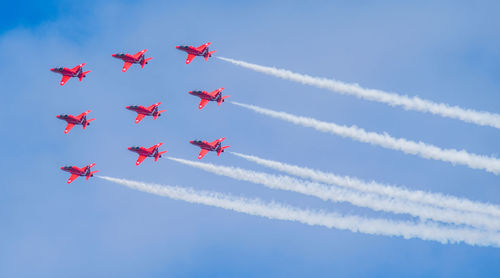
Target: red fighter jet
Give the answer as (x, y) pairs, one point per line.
(192, 51)
(79, 172)
(145, 111)
(137, 58)
(149, 152)
(78, 120)
(205, 146)
(206, 97)
(68, 73)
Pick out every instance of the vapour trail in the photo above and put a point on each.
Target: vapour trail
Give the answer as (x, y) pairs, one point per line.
(419, 196)
(474, 161)
(336, 194)
(273, 210)
(482, 118)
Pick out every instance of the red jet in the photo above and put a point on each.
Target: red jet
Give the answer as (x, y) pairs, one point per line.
(79, 172)
(145, 111)
(78, 120)
(137, 58)
(206, 146)
(206, 97)
(68, 73)
(192, 51)
(149, 152)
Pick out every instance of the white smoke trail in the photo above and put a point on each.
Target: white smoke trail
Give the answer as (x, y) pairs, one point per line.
(482, 118)
(418, 196)
(474, 161)
(405, 229)
(335, 194)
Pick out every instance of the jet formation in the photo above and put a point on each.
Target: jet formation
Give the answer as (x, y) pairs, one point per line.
(142, 111)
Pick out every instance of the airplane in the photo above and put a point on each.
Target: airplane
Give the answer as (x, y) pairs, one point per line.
(68, 73)
(72, 120)
(206, 146)
(206, 97)
(79, 172)
(149, 152)
(137, 58)
(192, 51)
(145, 111)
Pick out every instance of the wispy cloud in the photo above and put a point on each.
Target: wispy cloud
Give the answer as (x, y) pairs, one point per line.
(273, 210)
(462, 157)
(410, 103)
(361, 199)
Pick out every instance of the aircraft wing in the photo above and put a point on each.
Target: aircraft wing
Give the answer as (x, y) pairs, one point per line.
(78, 67)
(72, 178)
(202, 47)
(64, 79)
(69, 126)
(151, 149)
(126, 66)
(83, 114)
(139, 118)
(151, 107)
(203, 152)
(138, 54)
(190, 58)
(140, 159)
(203, 102)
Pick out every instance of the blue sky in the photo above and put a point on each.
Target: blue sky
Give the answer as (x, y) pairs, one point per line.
(446, 52)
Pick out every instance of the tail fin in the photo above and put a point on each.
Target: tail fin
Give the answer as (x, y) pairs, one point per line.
(221, 100)
(91, 174)
(158, 114)
(219, 151)
(83, 75)
(209, 54)
(87, 123)
(159, 155)
(145, 61)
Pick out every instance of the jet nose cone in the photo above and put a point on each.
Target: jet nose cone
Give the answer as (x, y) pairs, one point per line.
(177, 47)
(127, 107)
(192, 142)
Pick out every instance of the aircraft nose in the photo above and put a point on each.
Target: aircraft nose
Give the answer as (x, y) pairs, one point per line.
(192, 142)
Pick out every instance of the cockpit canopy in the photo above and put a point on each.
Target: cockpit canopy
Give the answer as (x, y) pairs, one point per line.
(183, 46)
(64, 115)
(134, 106)
(135, 148)
(67, 167)
(197, 141)
(198, 92)
(120, 54)
(59, 68)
